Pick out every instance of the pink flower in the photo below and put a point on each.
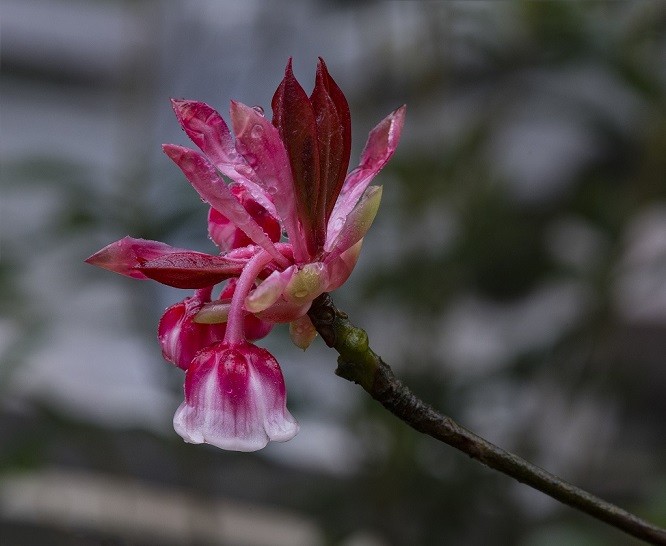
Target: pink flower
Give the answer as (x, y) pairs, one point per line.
(235, 398)
(181, 336)
(288, 176)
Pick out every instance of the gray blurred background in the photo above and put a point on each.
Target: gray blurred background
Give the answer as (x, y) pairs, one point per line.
(515, 276)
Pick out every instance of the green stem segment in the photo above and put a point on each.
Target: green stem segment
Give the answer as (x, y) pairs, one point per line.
(358, 363)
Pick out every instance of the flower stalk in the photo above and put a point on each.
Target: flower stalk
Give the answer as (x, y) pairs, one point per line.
(360, 364)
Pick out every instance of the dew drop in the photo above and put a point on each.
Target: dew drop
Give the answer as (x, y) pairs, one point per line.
(338, 223)
(258, 109)
(301, 293)
(257, 131)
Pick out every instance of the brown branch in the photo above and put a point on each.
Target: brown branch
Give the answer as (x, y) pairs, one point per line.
(358, 363)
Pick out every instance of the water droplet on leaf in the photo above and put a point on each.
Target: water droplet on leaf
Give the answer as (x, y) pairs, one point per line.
(257, 131)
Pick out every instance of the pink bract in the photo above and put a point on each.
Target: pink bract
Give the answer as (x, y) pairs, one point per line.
(289, 225)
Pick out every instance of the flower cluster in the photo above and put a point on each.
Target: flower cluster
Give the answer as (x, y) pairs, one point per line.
(289, 223)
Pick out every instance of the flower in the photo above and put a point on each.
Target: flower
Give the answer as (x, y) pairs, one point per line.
(288, 176)
(234, 399)
(180, 336)
(182, 330)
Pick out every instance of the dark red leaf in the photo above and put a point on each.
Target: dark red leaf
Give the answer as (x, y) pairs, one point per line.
(330, 139)
(191, 269)
(295, 119)
(344, 119)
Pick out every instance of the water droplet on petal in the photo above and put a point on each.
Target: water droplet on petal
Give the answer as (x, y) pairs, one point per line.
(301, 293)
(338, 223)
(258, 109)
(257, 131)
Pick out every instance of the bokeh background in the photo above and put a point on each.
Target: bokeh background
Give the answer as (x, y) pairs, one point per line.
(515, 277)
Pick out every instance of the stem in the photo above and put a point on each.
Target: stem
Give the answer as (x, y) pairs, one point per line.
(358, 363)
(234, 333)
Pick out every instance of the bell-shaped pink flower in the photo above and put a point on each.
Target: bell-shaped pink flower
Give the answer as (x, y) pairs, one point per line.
(235, 398)
(180, 336)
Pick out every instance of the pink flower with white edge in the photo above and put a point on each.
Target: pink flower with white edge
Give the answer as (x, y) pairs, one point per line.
(289, 225)
(235, 398)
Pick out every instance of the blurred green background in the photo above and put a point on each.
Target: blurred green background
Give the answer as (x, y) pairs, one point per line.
(515, 277)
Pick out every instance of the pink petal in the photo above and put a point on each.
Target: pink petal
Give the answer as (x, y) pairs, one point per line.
(255, 328)
(212, 189)
(180, 337)
(381, 144)
(260, 144)
(284, 311)
(340, 266)
(210, 133)
(224, 232)
(302, 332)
(268, 292)
(357, 223)
(235, 399)
(127, 255)
(307, 283)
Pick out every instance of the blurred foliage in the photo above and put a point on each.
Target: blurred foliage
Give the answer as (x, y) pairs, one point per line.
(501, 253)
